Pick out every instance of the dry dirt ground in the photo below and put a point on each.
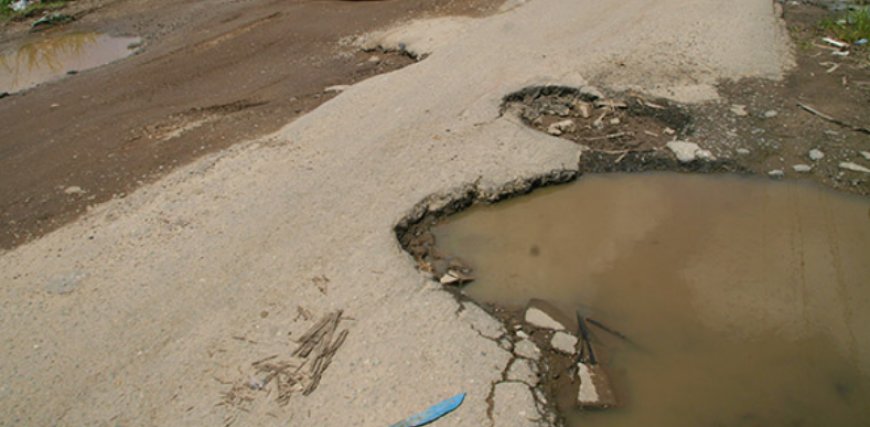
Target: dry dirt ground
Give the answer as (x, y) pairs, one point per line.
(238, 69)
(183, 302)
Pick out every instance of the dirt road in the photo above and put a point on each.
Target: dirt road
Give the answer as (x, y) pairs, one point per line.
(209, 74)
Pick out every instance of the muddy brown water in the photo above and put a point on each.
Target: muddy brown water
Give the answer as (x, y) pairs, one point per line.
(748, 300)
(52, 56)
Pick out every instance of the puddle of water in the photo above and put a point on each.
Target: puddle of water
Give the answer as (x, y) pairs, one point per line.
(748, 300)
(51, 56)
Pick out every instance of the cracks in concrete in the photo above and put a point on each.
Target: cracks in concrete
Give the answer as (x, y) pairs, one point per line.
(413, 231)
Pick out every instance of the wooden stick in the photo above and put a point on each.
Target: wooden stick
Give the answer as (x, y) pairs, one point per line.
(832, 119)
(611, 136)
(584, 334)
(607, 329)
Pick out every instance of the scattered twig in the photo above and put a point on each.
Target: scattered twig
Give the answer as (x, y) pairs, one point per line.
(322, 362)
(310, 339)
(650, 104)
(300, 373)
(832, 119)
(265, 359)
(321, 282)
(832, 66)
(245, 339)
(611, 136)
(621, 156)
(302, 312)
(628, 150)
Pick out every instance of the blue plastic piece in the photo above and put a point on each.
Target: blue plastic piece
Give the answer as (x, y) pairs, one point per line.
(861, 42)
(434, 412)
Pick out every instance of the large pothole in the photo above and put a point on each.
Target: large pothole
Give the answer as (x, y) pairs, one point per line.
(708, 300)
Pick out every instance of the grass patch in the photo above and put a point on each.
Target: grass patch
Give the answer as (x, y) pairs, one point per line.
(849, 27)
(34, 9)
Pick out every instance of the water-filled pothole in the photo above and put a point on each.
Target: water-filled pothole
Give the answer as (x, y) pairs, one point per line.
(744, 301)
(52, 56)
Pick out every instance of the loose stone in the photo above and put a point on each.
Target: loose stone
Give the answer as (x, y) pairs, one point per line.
(802, 168)
(560, 127)
(536, 317)
(853, 167)
(564, 342)
(776, 173)
(74, 190)
(687, 152)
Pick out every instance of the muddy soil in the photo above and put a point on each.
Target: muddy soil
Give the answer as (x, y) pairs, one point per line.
(777, 132)
(758, 126)
(209, 74)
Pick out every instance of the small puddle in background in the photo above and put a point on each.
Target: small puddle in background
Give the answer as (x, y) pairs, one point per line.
(51, 56)
(748, 300)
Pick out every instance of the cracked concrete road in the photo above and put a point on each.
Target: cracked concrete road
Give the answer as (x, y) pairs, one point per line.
(177, 288)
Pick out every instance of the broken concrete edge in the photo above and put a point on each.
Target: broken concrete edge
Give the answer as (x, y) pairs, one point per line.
(432, 209)
(676, 115)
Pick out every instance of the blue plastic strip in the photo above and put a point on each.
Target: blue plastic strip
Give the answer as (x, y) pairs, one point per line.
(433, 413)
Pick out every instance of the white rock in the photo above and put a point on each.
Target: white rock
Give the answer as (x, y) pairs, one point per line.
(854, 167)
(75, 189)
(743, 151)
(802, 168)
(522, 334)
(739, 110)
(536, 317)
(564, 342)
(769, 114)
(865, 154)
(816, 154)
(448, 279)
(615, 121)
(527, 349)
(688, 151)
(375, 59)
(583, 108)
(560, 127)
(776, 173)
(587, 393)
(337, 88)
(595, 390)
(704, 155)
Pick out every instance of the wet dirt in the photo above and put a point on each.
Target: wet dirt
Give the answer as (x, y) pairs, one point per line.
(758, 126)
(102, 133)
(622, 123)
(52, 56)
(744, 299)
(776, 133)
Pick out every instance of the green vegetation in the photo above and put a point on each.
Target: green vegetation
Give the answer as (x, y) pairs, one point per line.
(850, 27)
(33, 10)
